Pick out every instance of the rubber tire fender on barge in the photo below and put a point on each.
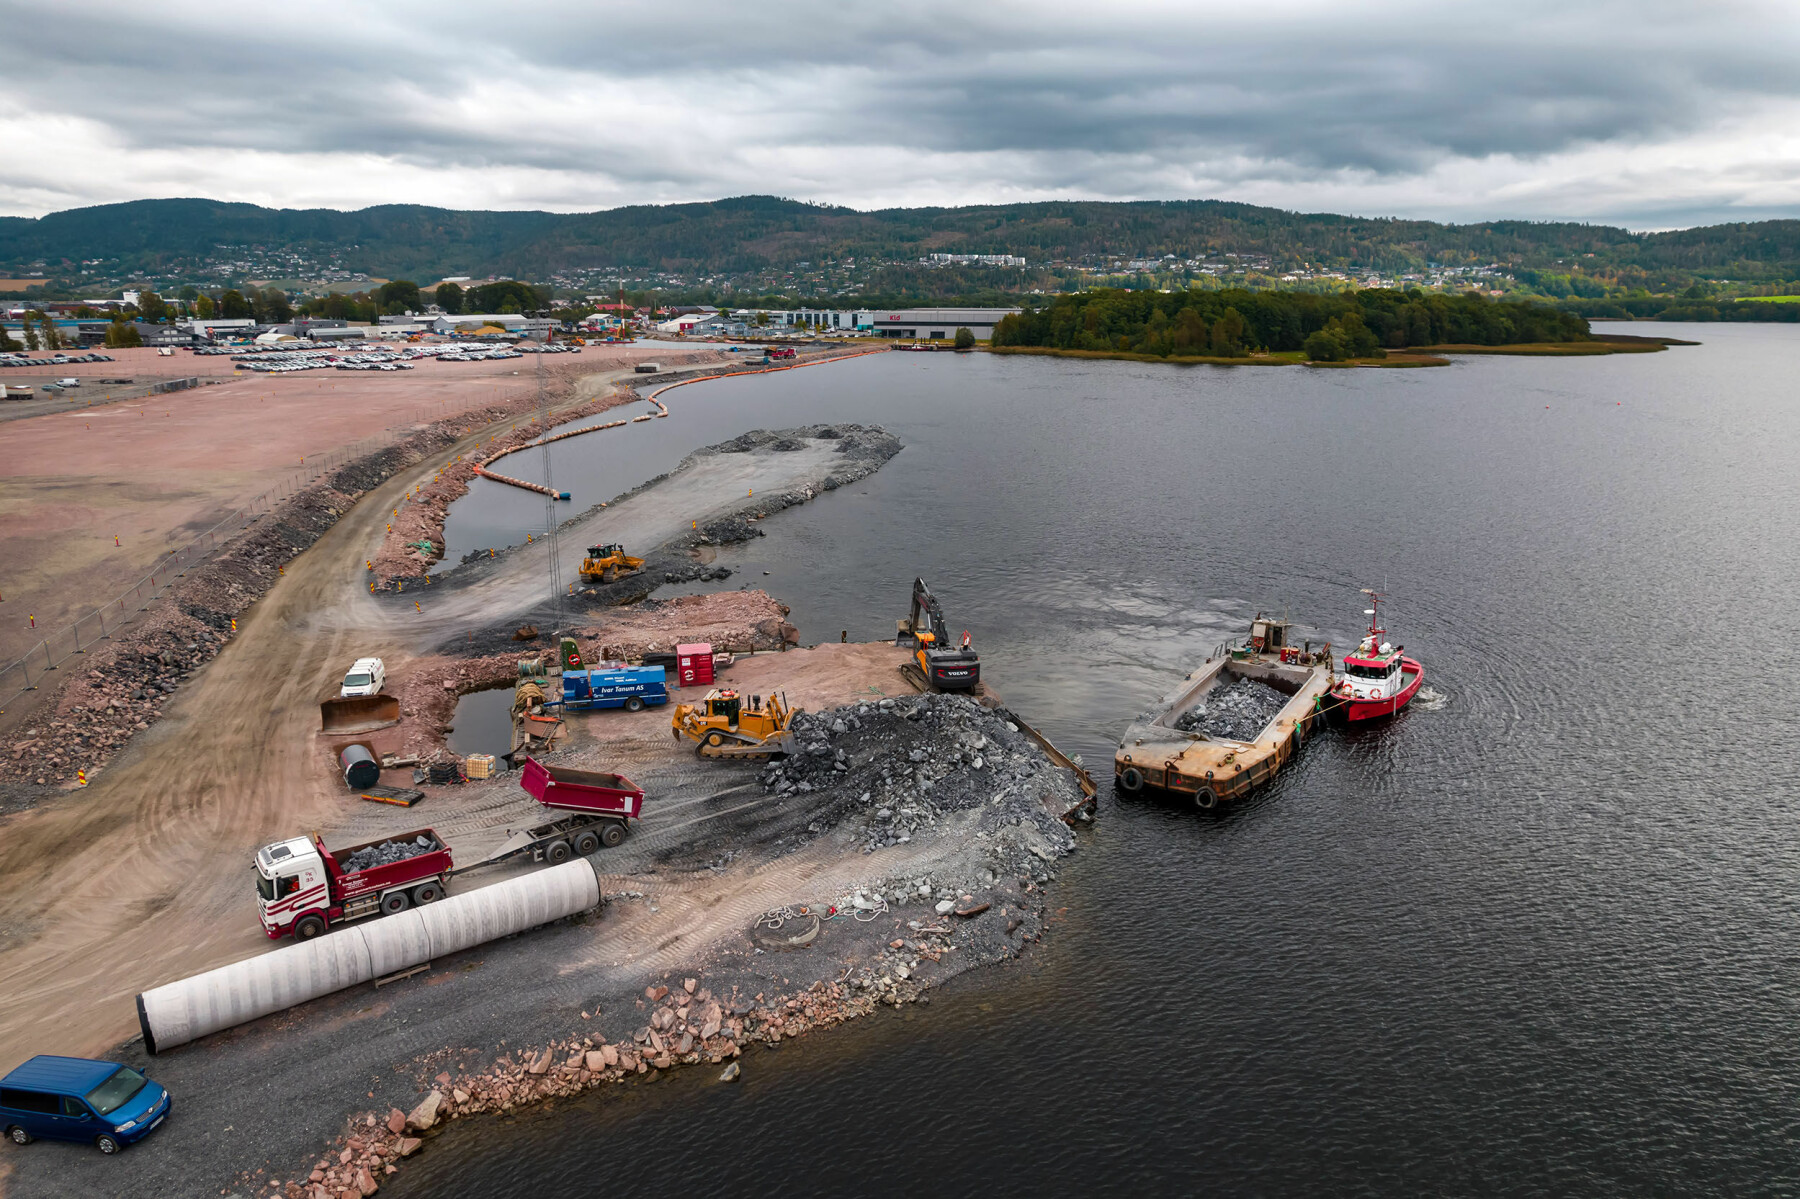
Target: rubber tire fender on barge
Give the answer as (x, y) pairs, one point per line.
(1131, 778)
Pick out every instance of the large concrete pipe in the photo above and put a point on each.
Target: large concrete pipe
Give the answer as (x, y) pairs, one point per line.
(361, 770)
(184, 1011)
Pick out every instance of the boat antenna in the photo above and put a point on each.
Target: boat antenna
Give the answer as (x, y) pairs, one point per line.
(1372, 611)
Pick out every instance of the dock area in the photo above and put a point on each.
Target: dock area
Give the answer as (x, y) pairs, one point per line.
(1175, 747)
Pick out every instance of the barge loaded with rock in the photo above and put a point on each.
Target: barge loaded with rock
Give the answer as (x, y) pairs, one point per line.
(1232, 723)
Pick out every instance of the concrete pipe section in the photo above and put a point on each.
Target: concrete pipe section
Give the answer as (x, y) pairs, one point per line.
(184, 1011)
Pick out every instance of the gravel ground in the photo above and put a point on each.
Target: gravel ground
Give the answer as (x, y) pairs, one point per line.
(689, 897)
(234, 759)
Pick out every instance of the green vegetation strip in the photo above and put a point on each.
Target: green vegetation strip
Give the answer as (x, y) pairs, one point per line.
(1238, 325)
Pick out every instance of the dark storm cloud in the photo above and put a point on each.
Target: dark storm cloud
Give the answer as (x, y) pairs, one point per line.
(696, 99)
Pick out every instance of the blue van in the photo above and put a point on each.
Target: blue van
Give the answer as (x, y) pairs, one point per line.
(79, 1099)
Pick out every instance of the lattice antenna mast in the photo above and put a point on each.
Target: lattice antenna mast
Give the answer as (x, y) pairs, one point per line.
(552, 544)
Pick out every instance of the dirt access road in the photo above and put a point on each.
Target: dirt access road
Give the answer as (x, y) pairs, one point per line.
(141, 878)
(154, 471)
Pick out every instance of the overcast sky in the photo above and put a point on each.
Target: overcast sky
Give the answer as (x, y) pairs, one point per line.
(1651, 115)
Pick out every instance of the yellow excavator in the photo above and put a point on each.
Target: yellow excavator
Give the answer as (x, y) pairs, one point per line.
(936, 665)
(608, 564)
(724, 726)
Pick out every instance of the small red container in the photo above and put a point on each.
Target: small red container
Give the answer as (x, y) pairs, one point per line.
(694, 664)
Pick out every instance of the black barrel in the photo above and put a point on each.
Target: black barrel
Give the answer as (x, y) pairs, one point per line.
(360, 768)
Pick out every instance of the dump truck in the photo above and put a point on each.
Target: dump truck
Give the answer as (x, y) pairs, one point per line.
(592, 807)
(723, 726)
(608, 563)
(303, 888)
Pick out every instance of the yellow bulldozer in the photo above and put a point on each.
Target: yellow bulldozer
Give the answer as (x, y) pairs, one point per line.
(723, 726)
(608, 564)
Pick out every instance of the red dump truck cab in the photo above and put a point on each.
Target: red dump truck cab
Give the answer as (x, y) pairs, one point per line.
(303, 888)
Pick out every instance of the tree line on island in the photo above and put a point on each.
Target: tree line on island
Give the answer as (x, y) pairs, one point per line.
(1324, 327)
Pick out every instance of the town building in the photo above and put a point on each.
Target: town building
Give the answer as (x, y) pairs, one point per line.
(935, 323)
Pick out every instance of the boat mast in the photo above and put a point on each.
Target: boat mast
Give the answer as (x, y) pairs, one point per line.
(1375, 630)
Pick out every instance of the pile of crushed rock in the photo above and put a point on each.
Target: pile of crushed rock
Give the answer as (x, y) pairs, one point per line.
(880, 773)
(1234, 711)
(387, 853)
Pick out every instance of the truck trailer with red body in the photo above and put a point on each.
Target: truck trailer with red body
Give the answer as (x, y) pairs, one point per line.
(594, 810)
(304, 888)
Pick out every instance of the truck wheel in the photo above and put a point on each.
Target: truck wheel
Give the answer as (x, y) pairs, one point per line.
(106, 1144)
(612, 834)
(715, 738)
(634, 704)
(308, 927)
(587, 842)
(395, 902)
(557, 852)
(18, 1136)
(427, 893)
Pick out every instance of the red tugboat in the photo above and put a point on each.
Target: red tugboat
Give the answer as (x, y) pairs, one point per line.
(1378, 679)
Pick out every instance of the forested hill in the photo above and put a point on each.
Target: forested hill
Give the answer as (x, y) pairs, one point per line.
(757, 233)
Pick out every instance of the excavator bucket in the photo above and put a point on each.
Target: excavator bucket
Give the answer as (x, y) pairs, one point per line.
(358, 714)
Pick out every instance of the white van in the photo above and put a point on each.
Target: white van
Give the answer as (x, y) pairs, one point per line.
(366, 677)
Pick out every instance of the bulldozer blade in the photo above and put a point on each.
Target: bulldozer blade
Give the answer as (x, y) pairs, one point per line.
(358, 714)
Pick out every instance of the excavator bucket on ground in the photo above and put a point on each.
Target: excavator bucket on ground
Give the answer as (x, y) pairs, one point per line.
(358, 714)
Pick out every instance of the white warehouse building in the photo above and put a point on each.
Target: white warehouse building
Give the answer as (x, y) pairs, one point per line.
(934, 322)
(892, 322)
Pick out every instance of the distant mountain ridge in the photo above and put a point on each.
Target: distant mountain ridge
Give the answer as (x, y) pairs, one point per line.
(749, 233)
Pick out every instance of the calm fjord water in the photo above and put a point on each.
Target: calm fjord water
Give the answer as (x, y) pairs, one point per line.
(1541, 938)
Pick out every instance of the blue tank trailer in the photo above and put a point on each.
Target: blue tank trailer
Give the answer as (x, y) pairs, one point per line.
(630, 687)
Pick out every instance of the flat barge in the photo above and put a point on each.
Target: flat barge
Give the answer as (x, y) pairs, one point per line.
(1168, 749)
